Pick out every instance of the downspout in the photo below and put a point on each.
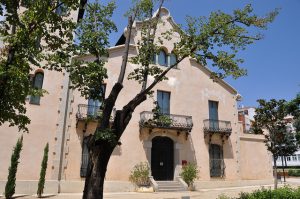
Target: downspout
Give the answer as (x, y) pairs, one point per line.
(61, 159)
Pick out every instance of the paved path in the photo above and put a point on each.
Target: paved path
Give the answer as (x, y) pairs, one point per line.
(200, 194)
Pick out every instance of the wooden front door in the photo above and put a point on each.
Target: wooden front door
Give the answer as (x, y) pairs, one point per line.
(162, 158)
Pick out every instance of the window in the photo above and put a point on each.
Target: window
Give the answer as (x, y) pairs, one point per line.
(294, 158)
(288, 158)
(216, 161)
(162, 58)
(37, 84)
(94, 105)
(213, 114)
(298, 155)
(173, 59)
(163, 99)
(84, 157)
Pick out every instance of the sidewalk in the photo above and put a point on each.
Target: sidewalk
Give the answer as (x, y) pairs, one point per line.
(200, 194)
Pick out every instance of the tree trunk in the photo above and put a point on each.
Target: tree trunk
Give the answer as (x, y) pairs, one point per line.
(275, 174)
(94, 182)
(283, 168)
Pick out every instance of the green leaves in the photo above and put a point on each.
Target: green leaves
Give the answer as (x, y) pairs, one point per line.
(29, 36)
(206, 39)
(270, 116)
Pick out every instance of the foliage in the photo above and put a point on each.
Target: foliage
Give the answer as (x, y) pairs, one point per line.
(223, 196)
(41, 183)
(159, 119)
(294, 172)
(106, 135)
(189, 173)
(92, 38)
(140, 174)
(23, 51)
(12, 170)
(270, 115)
(280, 193)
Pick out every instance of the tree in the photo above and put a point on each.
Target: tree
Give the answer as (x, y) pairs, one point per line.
(22, 33)
(270, 116)
(43, 172)
(203, 39)
(12, 170)
(217, 38)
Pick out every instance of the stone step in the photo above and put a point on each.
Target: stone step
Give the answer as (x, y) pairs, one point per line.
(169, 186)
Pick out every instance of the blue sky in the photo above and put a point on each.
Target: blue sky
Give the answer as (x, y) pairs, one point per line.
(272, 63)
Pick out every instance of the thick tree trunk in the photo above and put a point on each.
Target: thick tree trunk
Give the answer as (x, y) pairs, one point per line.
(275, 174)
(94, 182)
(283, 168)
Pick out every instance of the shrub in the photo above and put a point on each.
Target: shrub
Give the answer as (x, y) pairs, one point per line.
(294, 172)
(189, 173)
(12, 170)
(280, 193)
(43, 172)
(140, 174)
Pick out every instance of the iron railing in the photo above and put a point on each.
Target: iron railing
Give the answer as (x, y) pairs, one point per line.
(84, 164)
(170, 121)
(217, 126)
(88, 112)
(217, 167)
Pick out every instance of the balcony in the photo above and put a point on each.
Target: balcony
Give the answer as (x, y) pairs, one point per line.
(87, 112)
(176, 122)
(217, 127)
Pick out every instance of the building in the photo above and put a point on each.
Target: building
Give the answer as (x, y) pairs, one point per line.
(246, 117)
(204, 129)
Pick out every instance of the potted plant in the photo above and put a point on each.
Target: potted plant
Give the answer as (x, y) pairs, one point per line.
(139, 176)
(189, 174)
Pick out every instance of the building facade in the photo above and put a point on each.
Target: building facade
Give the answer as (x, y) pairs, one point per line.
(199, 124)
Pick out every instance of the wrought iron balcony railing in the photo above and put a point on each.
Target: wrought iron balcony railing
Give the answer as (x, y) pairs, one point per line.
(178, 122)
(217, 167)
(88, 112)
(217, 126)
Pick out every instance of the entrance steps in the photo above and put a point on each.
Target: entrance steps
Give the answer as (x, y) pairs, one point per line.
(170, 186)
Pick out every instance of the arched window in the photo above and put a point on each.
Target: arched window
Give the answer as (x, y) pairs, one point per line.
(162, 58)
(173, 59)
(37, 84)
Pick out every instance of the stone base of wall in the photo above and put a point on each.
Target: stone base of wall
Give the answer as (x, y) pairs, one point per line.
(29, 187)
(211, 184)
(109, 186)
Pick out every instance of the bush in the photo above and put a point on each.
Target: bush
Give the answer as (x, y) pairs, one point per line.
(43, 172)
(12, 170)
(294, 172)
(189, 173)
(280, 193)
(140, 174)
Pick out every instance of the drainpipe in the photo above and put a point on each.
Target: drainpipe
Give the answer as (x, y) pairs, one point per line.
(62, 147)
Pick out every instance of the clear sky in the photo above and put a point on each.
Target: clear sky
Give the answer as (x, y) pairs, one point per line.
(272, 63)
